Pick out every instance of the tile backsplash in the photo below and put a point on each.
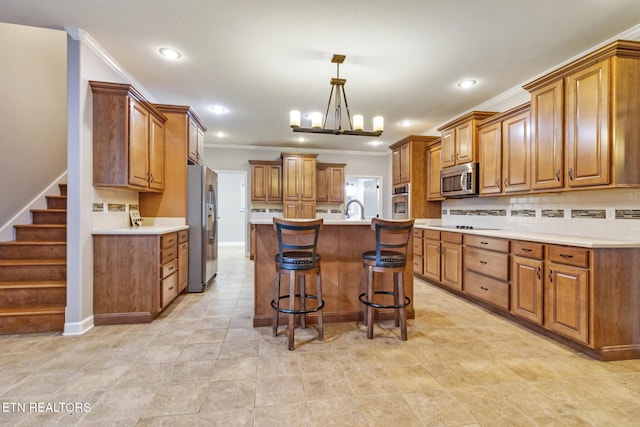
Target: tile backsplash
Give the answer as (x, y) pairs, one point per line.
(611, 213)
(111, 207)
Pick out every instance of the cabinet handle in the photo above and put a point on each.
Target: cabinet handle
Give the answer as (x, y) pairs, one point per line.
(538, 270)
(484, 243)
(451, 157)
(551, 276)
(151, 179)
(557, 174)
(171, 254)
(526, 249)
(483, 262)
(566, 256)
(170, 268)
(483, 288)
(498, 183)
(571, 174)
(506, 182)
(170, 289)
(458, 156)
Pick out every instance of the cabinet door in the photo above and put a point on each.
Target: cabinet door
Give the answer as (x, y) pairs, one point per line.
(432, 259)
(290, 209)
(307, 210)
(193, 141)
(308, 179)
(527, 289)
(464, 142)
(433, 172)
(322, 184)
(138, 144)
(395, 166)
(587, 144)
(515, 153)
(200, 146)
(490, 158)
(405, 163)
(274, 183)
(336, 185)
(451, 268)
(448, 148)
(183, 266)
(259, 183)
(156, 153)
(547, 140)
(291, 178)
(568, 301)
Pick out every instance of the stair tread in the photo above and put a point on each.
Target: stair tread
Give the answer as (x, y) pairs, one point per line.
(33, 284)
(54, 261)
(40, 226)
(33, 242)
(32, 309)
(49, 210)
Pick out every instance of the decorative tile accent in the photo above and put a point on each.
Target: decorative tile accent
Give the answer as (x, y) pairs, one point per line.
(275, 210)
(338, 211)
(322, 210)
(553, 213)
(133, 207)
(258, 210)
(116, 207)
(445, 212)
(98, 207)
(589, 213)
(479, 212)
(627, 213)
(529, 213)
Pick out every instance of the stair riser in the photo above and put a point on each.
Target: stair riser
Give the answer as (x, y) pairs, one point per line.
(49, 217)
(32, 323)
(32, 296)
(21, 273)
(43, 234)
(33, 251)
(56, 203)
(63, 189)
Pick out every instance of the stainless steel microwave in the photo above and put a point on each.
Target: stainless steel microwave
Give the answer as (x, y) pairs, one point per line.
(459, 181)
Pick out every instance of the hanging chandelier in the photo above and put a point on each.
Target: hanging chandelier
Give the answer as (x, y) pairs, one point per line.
(318, 125)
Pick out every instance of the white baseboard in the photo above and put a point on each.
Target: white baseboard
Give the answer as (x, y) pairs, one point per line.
(78, 328)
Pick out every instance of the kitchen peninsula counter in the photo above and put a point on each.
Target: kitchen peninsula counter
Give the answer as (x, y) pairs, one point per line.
(341, 244)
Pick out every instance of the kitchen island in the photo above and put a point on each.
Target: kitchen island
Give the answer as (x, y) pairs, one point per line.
(340, 244)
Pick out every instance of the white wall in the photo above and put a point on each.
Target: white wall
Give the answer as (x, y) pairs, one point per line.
(33, 116)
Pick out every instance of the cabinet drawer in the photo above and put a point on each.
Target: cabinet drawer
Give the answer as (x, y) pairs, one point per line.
(169, 289)
(417, 233)
(183, 236)
(168, 240)
(490, 290)
(489, 263)
(170, 267)
(569, 255)
(417, 264)
(417, 247)
(527, 249)
(451, 237)
(490, 243)
(431, 234)
(168, 254)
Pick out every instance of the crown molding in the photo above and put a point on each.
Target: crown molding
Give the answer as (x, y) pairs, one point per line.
(296, 149)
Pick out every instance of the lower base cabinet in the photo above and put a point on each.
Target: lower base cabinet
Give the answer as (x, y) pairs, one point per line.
(135, 277)
(527, 281)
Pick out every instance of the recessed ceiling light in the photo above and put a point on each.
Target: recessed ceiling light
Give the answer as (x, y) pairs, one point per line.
(374, 143)
(465, 84)
(218, 109)
(406, 123)
(170, 53)
(301, 139)
(220, 134)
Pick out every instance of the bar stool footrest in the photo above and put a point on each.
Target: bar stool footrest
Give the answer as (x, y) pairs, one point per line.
(299, 311)
(362, 296)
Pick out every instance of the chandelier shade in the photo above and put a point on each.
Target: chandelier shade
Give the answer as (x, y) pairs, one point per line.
(318, 125)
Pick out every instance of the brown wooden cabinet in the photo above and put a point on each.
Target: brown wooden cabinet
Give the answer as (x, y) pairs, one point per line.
(266, 181)
(418, 251)
(451, 260)
(583, 121)
(183, 260)
(299, 185)
(433, 172)
(172, 202)
(128, 139)
(486, 269)
(431, 255)
(527, 281)
(196, 140)
(135, 276)
(503, 152)
(459, 139)
(409, 166)
(330, 182)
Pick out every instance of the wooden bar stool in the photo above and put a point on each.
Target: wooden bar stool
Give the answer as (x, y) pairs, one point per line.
(297, 257)
(390, 256)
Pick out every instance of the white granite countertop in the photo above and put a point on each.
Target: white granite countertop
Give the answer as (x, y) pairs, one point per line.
(149, 226)
(558, 239)
(326, 221)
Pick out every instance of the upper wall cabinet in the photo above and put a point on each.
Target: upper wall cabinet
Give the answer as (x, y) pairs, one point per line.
(459, 139)
(128, 139)
(584, 121)
(330, 182)
(266, 180)
(503, 152)
(299, 185)
(196, 139)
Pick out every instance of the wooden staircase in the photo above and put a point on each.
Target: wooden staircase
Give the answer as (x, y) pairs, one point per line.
(33, 271)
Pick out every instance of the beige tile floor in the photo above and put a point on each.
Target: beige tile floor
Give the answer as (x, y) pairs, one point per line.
(202, 363)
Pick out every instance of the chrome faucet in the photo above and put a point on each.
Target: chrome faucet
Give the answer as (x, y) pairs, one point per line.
(346, 209)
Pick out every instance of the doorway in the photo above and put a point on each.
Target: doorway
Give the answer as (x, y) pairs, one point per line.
(232, 208)
(367, 190)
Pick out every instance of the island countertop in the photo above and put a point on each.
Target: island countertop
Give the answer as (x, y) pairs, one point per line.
(341, 244)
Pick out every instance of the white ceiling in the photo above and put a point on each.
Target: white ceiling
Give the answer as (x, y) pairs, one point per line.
(263, 58)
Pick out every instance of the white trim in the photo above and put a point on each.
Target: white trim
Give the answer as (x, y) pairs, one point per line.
(295, 149)
(78, 328)
(230, 243)
(7, 231)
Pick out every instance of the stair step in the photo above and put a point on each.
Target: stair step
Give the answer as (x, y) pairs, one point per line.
(30, 293)
(46, 232)
(49, 216)
(17, 270)
(63, 189)
(56, 202)
(26, 249)
(32, 318)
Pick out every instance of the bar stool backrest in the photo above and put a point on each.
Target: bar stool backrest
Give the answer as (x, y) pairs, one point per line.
(297, 243)
(391, 236)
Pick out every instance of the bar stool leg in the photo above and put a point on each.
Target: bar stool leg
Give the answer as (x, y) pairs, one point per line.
(370, 312)
(292, 306)
(276, 299)
(403, 317)
(319, 301)
(303, 305)
(396, 298)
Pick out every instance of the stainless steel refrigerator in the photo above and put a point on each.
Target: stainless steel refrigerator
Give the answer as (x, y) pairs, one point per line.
(202, 218)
